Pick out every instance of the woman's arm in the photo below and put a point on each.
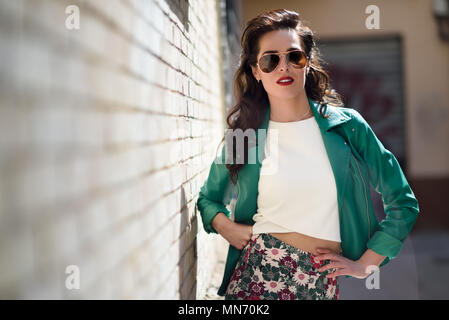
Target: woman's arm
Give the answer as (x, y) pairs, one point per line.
(386, 176)
(400, 205)
(210, 200)
(220, 222)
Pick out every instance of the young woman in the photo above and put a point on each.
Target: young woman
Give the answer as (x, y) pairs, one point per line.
(303, 215)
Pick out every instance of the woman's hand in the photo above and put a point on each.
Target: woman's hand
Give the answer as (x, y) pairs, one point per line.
(343, 266)
(237, 234)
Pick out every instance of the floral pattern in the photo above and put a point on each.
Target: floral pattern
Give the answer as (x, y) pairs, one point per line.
(271, 269)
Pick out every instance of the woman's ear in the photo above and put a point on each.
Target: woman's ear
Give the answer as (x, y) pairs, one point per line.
(255, 72)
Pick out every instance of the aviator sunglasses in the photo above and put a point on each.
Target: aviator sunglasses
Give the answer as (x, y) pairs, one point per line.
(268, 62)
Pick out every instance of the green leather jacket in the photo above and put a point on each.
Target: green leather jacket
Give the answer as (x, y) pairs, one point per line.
(357, 158)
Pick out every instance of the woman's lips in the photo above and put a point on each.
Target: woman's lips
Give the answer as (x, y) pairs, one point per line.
(285, 83)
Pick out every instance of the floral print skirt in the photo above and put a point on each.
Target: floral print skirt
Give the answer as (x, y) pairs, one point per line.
(269, 268)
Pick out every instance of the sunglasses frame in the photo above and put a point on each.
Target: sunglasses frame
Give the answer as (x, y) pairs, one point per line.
(280, 54)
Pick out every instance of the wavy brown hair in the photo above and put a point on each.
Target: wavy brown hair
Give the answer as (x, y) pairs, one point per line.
(252, 99)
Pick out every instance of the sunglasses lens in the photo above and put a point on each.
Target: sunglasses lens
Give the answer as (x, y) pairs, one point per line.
(297, 58)
(269, 62)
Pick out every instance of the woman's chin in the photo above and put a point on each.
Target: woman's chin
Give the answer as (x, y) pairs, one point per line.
(286, 94)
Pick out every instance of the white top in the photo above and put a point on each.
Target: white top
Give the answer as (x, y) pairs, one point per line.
(297, 190)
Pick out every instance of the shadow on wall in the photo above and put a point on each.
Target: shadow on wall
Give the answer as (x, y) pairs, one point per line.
(181, 9)
(187, 262)
(187, 252)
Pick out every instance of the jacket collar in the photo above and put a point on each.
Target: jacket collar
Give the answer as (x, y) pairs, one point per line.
(335, 116)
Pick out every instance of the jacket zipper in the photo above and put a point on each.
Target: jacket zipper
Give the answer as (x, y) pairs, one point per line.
(366, 199)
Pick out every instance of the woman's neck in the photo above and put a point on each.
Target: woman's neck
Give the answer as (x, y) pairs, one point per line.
(286, 110)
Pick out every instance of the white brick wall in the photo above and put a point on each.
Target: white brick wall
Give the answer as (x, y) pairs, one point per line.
(106, 136)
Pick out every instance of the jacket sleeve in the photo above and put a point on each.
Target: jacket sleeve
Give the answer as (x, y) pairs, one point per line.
(386, 177)
(214, 194)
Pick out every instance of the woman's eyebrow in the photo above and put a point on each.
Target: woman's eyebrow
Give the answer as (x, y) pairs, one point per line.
(274, 51)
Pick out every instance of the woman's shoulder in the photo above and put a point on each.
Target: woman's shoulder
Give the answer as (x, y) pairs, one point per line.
(354, 121)
(352, 113)
(347, 111)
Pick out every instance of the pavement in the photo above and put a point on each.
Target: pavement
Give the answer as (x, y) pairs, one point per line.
(419, 272)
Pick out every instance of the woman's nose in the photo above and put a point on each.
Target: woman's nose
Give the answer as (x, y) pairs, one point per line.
(283, 63)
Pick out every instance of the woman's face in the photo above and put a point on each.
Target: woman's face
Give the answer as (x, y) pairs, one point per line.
(281, 41)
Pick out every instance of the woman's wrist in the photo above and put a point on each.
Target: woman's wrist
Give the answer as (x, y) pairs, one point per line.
(220, 222)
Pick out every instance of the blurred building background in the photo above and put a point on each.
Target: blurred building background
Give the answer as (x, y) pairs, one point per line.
(107, 133)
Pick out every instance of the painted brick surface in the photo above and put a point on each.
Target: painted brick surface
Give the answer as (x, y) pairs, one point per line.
(106, 136)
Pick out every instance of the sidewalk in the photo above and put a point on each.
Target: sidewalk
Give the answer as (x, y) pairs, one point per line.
(421, 271)
(217, 276)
